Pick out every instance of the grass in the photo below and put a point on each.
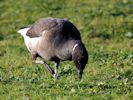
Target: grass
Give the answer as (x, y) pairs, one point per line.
(106, 28)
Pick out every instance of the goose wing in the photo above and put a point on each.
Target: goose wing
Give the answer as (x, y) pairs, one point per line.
(44, 24)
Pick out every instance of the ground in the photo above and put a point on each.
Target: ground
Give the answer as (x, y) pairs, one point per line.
(106, 27)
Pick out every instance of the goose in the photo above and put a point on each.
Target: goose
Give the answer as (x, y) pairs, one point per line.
(55, 39)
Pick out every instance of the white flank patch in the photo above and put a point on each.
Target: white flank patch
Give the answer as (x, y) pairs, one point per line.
(30, 43)
(23, 31)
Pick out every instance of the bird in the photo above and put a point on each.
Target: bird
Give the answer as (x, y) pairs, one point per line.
(56, 40)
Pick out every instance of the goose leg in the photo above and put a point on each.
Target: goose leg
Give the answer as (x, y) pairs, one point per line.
(45, 65)
(34, 56)
(55, 75)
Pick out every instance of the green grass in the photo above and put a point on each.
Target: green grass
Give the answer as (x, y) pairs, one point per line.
(106, 28)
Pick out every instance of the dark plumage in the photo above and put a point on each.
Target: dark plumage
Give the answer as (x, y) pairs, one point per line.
(58, 40)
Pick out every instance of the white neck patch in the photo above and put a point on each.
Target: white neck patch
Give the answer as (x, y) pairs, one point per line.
(74, 47)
